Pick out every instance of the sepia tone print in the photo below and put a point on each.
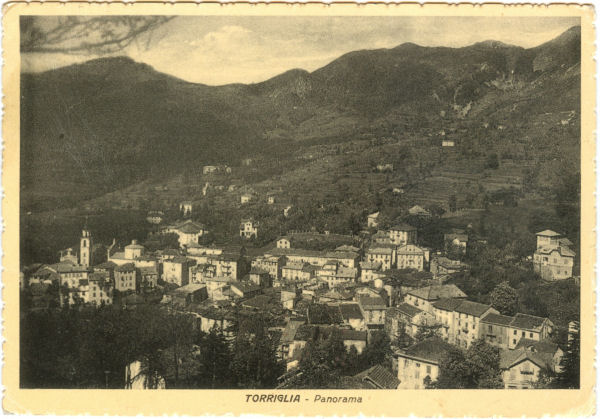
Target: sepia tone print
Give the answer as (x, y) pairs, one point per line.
(299, 203)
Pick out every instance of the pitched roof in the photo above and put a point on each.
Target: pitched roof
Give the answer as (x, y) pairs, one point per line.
(128, 267)
(528, 322)
(134, 245)
(563, 250)
(456, 236)
(347, 248)
(245, 287)
(260, 302)
(408, 310)
(432, 350)
(410, 249)
(258, 271)
(190, 227)
(290, 330)
(497, 319)
(379, 377)
(106, 265)
(188, 289)
(436, 292)
(375, 266)
(350, 311)
(448, 304)
(371, 303)
(324, 314)
(378, 249)
(180, 259)
(542, 346)
(148, 270)
(97, 276)
(472, 308)
(510, 358)
(548, 233)
(403, 227)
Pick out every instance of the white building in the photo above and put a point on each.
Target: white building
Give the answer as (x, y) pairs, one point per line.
(249, 228)
(283, 243)
(189, 232)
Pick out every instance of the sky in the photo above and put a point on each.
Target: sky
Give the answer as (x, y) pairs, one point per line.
(218, 50)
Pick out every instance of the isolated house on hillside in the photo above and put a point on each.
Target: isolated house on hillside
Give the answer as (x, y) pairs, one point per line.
(248, 228)
(419, 211)
(553, 259)
(372, 219)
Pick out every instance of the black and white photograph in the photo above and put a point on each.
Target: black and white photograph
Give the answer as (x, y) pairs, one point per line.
(300, 202)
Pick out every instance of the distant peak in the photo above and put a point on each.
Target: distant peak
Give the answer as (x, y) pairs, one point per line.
(491, 43)
(407, 45)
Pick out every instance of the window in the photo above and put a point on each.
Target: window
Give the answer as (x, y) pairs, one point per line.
(531, 335)
(523, 334)
(418, 365)
(428, 369)
(418, 374)
(514, 332)
(490, 328)
(514, 341)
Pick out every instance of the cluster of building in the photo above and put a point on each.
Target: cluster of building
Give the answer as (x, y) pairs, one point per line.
(349, 291)
(458, 322)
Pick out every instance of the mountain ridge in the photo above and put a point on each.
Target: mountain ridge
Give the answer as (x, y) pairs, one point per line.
(95, 127)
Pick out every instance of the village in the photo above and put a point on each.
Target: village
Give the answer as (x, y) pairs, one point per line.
(379, 285)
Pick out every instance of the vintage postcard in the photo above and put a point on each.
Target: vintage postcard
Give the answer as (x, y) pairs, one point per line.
(298, 209)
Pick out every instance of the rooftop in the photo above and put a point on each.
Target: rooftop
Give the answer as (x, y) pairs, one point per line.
(543, 346)
(548, 233)
(410, 249)
(510, 358)
(350, 311)
(448, 304)
(128, 267)
(323, 314)
(472, 308)
(432, 349)
(437, 292)
(375, 266)
(380, 250)
(407, 309)
(189, 227)
(379, 377)
(106, 265)
(310, 331)
(371, 303)
(499, 319)
(403, 227)
(188, 289)
(245, 287)
(528, 322)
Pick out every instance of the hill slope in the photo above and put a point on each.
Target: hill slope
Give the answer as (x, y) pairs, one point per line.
(99, 126)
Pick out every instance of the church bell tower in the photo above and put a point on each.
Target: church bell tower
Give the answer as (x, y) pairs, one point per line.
(85, 248)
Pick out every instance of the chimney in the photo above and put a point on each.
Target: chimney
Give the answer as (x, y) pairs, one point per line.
(133, 241)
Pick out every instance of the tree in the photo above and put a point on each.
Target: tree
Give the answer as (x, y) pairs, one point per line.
(86, 35)
(452, 203)
(427, 332)
(377, 351)
(255, 363)
(492, 161)
(322, 361)
(568, 376)
(478, 367)
(215, 359)
(505, 299)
